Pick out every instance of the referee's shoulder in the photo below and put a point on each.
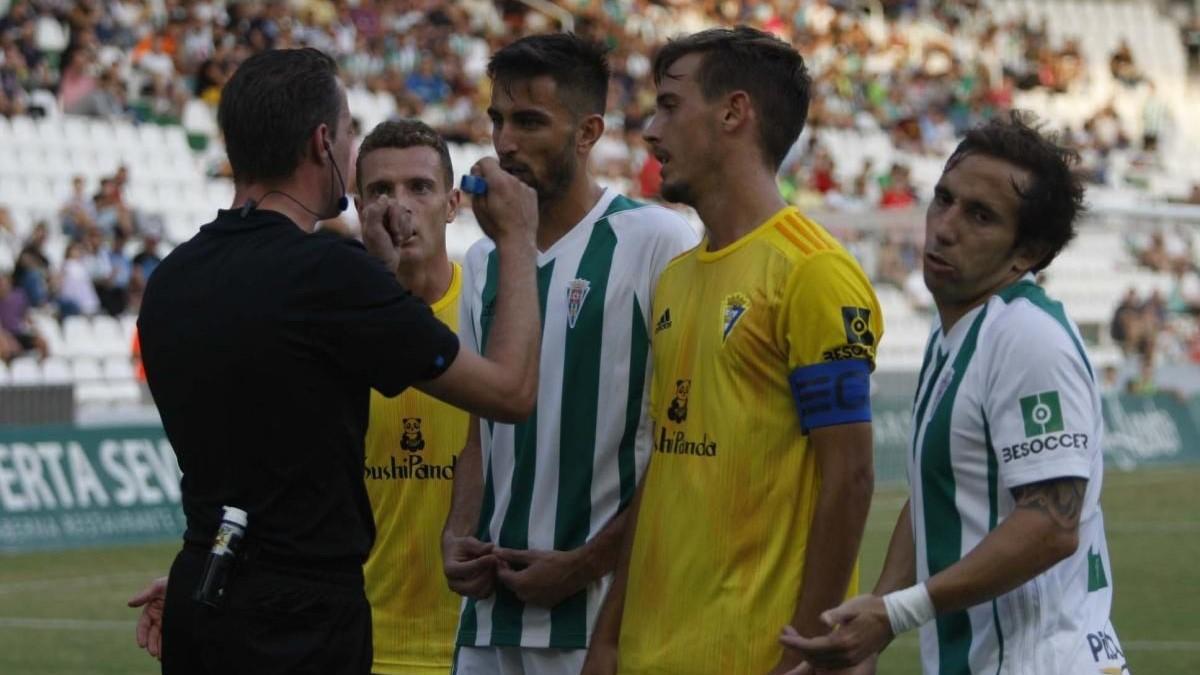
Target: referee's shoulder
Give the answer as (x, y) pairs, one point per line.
(333, 247)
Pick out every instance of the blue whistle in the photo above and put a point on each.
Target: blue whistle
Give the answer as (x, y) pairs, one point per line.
(474, 185)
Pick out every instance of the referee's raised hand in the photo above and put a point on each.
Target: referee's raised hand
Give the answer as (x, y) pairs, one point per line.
(509, 207)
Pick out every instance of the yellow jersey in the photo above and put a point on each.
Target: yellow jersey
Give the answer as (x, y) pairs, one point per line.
(413, 441)
(740, 335)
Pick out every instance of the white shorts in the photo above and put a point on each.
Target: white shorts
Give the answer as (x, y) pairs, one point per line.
(518, 661)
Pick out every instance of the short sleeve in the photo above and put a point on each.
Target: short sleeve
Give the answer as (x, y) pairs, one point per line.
(374, 327)
(1041, 412)
(830, 326)
(830, 313)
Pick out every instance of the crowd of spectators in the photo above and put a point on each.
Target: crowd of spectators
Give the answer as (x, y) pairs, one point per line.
(920, 74)
(1159, 327)
(101, 269)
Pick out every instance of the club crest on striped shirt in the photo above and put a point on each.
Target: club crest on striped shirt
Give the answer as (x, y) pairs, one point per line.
(732, 310)
(942, 385)
(577, 292)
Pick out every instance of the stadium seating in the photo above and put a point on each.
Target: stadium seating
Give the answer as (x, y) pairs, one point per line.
(173, 183)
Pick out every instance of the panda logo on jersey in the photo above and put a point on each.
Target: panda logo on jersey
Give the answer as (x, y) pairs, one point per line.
(412, 439)
(678, 410)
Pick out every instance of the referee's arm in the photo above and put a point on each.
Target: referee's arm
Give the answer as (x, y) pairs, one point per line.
(501, 384)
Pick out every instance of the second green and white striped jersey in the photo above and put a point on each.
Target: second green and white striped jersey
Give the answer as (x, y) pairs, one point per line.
(554, 480)
(1006, 398)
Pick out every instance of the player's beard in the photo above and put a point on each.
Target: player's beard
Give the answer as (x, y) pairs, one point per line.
(678, 193)
(558, 174)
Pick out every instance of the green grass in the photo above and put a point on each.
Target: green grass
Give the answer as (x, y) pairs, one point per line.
(1153, 520)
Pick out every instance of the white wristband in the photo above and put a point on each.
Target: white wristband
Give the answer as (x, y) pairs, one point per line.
(909, 608)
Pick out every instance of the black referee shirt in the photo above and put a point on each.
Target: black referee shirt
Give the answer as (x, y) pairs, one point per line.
(261, 344)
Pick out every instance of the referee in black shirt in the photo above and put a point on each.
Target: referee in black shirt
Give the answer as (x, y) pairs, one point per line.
(261, 341)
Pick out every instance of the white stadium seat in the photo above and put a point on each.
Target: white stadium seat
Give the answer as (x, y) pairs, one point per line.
(25, 370)
(108, 336)
(56, 370)
(77, 337)
(47, 327)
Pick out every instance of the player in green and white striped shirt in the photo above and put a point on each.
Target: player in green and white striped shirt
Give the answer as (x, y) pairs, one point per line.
(999, 556)
(533, 531)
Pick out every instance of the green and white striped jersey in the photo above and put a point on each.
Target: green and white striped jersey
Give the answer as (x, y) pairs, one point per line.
(1006, 398)
(554, 480)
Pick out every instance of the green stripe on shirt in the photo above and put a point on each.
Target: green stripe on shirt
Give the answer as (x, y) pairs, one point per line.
(943, 525)
(582, 354)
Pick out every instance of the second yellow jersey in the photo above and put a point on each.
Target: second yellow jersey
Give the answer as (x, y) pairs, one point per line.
(413, 441)
(722, 530)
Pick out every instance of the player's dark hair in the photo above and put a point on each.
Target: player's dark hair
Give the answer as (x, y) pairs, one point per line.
(1053, 199)
(770, 70)
(270, 107)
(579, 68)
(407, 133)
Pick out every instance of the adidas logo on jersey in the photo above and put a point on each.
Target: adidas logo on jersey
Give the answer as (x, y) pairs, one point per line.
(664, 321)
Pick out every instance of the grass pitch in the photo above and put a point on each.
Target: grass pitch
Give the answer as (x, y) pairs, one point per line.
(64, 613)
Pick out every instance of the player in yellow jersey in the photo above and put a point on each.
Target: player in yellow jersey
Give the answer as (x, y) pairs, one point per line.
(751, 513)
(413, 439)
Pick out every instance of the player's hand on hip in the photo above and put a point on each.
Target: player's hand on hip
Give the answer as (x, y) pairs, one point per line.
(469, 565)
(386, 225)
(859, 631)
(151, 599)
(509, 208)
(542, 578)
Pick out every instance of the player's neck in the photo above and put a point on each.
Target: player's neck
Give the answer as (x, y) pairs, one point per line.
(950, 312)
(557, 217)
(734, 209)
(428, 280)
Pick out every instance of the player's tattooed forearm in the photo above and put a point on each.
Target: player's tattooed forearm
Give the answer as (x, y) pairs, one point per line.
(1061, 499)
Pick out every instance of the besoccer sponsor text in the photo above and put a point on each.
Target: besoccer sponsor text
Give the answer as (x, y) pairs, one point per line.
(1038, 445)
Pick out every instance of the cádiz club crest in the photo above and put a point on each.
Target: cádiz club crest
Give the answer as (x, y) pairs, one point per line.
(732, 310)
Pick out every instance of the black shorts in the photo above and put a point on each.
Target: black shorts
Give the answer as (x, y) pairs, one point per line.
(271, 620)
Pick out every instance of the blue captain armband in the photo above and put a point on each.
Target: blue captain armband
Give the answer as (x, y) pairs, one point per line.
(836, 392)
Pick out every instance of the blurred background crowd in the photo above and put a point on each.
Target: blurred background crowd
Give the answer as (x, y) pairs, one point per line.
(895, 84)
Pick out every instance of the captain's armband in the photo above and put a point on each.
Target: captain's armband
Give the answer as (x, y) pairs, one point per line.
(836, 392)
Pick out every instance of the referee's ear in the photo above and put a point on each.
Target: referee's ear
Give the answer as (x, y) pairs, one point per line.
(589, 131)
